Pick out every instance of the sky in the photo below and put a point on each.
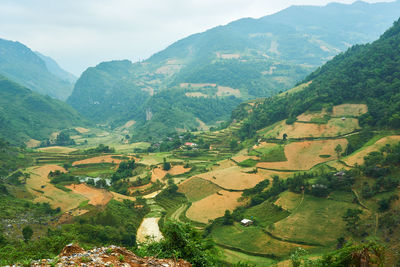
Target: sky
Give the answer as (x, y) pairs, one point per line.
(82, 33)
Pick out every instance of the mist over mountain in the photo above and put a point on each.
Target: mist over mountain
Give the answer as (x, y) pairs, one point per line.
(39, 73)
(245, 59)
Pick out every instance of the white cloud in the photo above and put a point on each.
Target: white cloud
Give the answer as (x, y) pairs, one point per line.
(82, 33)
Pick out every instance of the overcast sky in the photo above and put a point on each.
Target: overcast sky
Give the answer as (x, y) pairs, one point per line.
(82, 33)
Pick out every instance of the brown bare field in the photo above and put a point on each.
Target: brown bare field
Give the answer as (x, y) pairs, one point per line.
(39, 185)
(243, 158)
(96, 196)
(233, 178)
(264, 145)
(129, 123)
(305, 155)
(32, 143)
(338, 165)
(350, 110)
(152, 195)
(81, 130)
(197, 188)
(158, 173)
(224, 164)
(334, 127)
(213, 206)
(308, 116)
(358, 158)
(120, 197)
(99, 159)
(139, 188)
(226, 91)
(57, 149)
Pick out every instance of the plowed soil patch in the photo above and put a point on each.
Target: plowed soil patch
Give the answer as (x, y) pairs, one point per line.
(334, 127)
(81, 130)
(39, 185)
(233, 178)
(213, 206)
(158, 173)
(96, 196)
(308, 116)
(120, 197)
(100, 159)
(305, 155)
(359, 156)
(224, 164)
(350, 110)
(57, 149)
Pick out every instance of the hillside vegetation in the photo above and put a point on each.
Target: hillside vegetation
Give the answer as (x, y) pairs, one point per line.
(245, 59)
(363, 74)
(25, 114)
(34, 71)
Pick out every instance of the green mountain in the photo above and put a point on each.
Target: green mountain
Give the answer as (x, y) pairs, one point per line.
(365, 74)
(25, 114)
(21, 64)
(245, 59)
(55, 69)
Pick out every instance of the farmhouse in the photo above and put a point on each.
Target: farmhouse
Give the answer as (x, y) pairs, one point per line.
(190, 144)
(246, 222)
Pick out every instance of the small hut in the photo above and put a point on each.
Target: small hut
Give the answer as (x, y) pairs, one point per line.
(246, 222)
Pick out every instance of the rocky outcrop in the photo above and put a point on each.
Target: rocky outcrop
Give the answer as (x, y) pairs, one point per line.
(74, 255)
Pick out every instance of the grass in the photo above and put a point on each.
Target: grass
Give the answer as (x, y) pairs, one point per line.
(233, 257)
(274, 154)
(84, 204)
(252, 239)
(93, 170)
(196, 189)
(248, 163)
(63, 188)
(266, 213)
(316, 220)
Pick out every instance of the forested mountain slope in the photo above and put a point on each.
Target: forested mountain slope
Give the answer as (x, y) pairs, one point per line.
(21, 64)
(364, 74)
(25, 114)
(55, 69)
(245, 59)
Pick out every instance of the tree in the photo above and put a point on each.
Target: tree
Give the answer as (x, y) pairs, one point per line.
(352, 219)
(166, 165)
(182, 241)
(338, 150)
(227, 219)
(284, 137)
(27, 233)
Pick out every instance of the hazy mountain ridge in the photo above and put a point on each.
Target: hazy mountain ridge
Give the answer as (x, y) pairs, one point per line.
(258, 57)
(21, 64)
(54, 68)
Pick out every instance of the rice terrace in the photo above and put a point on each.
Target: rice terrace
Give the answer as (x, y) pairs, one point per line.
(268, 141)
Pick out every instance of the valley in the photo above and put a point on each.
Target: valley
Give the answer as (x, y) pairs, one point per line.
(263, 142)
(202, 184)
